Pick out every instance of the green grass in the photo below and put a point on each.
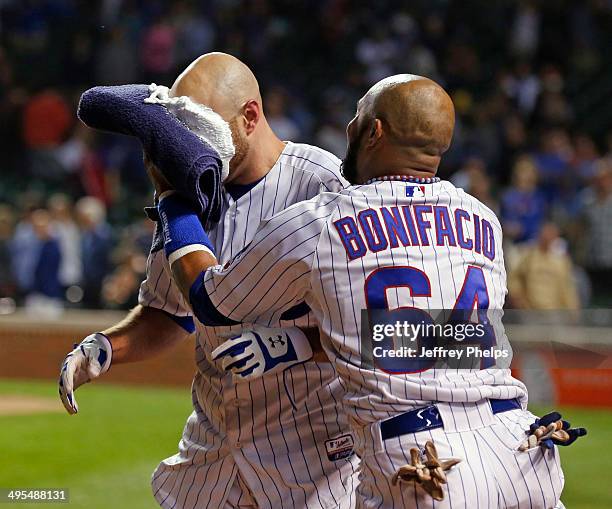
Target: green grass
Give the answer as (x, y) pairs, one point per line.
(105, 455)
(587, 463)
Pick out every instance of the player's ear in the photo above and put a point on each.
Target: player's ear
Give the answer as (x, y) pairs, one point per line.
(375, 132)
(251, 112)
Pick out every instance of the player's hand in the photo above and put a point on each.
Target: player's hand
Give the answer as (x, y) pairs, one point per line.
(160, 182)
(87, 361)
(262, 350)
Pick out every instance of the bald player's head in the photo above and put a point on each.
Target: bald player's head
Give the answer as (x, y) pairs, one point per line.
(403, 125)
(220, 81)
(225, 84)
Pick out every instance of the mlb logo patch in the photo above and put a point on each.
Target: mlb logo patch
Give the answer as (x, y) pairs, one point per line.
(415, 191)
(339, 448)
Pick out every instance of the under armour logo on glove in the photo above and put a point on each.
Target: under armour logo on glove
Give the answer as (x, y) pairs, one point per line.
(550, 430)
(263, 350)
(276, 340)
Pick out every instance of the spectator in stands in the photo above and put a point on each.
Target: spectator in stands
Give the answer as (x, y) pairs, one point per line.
(513, 143)
(68, 235)
(552, 161)
(42, 137)
(480, 188)
(96, 248)
(51, 106)
(597, 221)
(332, 137)
(376, 53)
(25, 248)
(522, 205)
(517, 88)
(525, 30)
(116, 62)
(524, 88)
(543, 276)
(157, 51)
(585, 158)
(276, 113)
(195, 32)
(46, 292)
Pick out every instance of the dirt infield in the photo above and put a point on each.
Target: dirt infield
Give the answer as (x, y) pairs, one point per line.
(34, 349)
(17, 404)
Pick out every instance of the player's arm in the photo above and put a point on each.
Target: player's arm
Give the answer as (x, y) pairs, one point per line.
(144, 333)
(270, 276)
(160, 321)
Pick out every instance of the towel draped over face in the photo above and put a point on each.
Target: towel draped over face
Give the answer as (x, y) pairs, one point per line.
(188, 142)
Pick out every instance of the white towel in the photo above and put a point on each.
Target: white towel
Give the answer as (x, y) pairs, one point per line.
(201, 120)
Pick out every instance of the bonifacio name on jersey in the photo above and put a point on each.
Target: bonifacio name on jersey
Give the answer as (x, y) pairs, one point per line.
(380, 228)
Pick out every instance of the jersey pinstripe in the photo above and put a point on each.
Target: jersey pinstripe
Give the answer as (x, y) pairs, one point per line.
(272, 430)
(302, 248)
(301, 254)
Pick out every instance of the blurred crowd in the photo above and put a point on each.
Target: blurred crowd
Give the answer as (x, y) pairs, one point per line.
(59, 253)
(531, 82)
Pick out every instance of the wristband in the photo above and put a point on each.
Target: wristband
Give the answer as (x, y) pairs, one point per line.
(105, 349)
(301, 345)
(181, 228)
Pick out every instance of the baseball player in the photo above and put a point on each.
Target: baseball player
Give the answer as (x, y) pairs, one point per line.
(400, 240)
(280, 440)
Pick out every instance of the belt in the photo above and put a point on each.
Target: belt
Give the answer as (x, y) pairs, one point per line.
(426, 418)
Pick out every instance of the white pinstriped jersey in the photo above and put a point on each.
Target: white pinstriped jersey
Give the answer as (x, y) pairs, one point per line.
(389, 244)
(272, 430)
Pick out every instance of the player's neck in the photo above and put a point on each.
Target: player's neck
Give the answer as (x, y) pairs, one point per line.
(400, 163)
(401, 172)
(261, 158)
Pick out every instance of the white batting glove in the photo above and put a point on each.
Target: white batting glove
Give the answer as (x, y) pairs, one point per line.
(262, 350)
(87, 361)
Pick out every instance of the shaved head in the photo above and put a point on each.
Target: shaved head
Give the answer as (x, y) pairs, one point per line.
(219, 81)
(409, 122)
(417, 112)
(225, 84)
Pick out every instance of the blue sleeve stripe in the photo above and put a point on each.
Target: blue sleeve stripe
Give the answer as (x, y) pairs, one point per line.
(186, 322)
(296, 312)
(203, 307)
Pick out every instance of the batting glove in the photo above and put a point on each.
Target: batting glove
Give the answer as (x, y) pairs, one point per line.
(87, 361)
(550, 430)
(263, 350)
